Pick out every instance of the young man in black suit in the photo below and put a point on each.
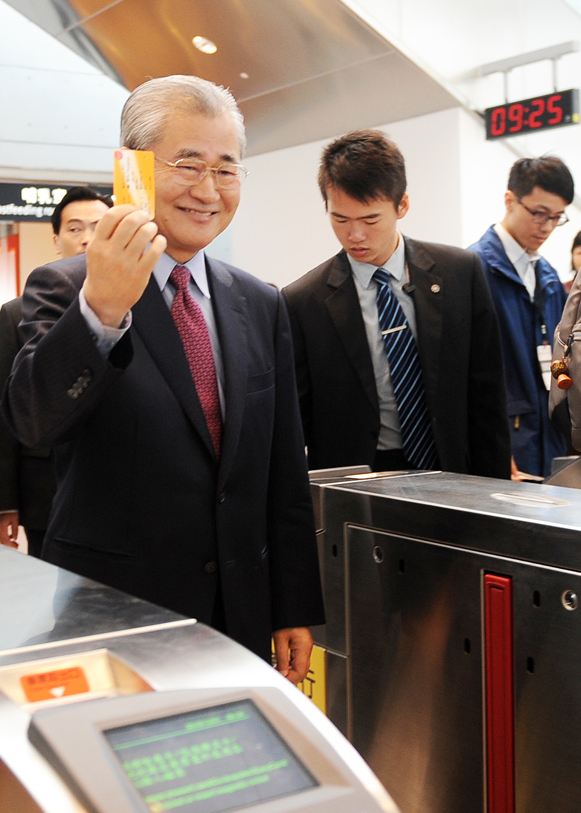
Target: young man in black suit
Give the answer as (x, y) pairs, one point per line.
(27, 479)
(429, 306)
(165, 380)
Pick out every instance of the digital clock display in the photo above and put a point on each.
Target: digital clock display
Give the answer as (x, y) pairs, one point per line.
(532, 115)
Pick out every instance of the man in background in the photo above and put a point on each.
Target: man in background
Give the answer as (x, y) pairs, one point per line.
(166, 378)
(27, 481)
(396, 343)
(529, 299)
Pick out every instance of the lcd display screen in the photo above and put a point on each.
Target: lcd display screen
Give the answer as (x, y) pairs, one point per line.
(210, 760)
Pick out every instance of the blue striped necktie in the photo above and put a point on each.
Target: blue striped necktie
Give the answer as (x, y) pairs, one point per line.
(406, 377)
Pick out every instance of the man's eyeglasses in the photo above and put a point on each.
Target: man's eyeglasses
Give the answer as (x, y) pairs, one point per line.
(541, 218)
(192, 171)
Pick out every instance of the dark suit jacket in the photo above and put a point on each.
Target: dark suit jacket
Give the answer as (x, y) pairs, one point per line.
(27, 481)
(460, 354)
(142, 502)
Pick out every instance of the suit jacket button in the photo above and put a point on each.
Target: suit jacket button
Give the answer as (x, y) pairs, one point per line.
(210, 567)
(221, 497)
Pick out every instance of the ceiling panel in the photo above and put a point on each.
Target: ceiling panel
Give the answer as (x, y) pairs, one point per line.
(313, 68)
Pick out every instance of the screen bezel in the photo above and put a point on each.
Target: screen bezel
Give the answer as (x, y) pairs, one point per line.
(72, 739)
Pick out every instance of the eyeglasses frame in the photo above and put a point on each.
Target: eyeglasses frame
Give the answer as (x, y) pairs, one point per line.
(242, 171)
(545, 218)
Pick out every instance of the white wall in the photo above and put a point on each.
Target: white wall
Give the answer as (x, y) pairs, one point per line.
(451, 38)
(431, 148)
(281, 229)
(61, 115)
(456, 183)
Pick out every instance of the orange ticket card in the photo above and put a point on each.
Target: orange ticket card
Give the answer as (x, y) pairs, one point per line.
(54, 684)
(134, 179)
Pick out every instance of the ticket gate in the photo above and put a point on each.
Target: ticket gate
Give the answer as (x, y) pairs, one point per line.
(111, 705)
(452, 649)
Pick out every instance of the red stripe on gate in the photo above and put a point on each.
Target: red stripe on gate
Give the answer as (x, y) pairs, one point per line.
(498, 637)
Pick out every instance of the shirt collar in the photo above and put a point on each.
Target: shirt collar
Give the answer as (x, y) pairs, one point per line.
(514, 251)
(395, 265)
(196, 266)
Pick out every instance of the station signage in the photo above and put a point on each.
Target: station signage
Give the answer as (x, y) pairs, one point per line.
(35, 202)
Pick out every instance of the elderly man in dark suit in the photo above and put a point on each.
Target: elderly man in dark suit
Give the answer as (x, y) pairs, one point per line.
(165, 380)
(397, 347)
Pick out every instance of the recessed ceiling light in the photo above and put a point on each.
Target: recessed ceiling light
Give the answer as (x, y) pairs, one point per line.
(244, 75)
(204, 45)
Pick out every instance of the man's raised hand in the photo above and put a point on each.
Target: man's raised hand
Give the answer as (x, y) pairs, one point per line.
(118, 264)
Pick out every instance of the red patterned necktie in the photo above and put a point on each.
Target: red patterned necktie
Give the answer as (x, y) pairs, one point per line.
(193, 331)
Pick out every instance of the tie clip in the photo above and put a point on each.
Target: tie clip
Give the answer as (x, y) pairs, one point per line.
(393, 330)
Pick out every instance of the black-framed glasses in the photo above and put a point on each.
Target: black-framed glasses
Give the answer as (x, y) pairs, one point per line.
(541, 218)
(192, 171)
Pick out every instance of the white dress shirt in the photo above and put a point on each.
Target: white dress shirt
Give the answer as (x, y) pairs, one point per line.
(523, 262)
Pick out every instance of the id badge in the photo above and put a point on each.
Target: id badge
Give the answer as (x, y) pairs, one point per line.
(545, 355)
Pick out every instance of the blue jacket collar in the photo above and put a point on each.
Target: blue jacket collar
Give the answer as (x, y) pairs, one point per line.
(493, 252)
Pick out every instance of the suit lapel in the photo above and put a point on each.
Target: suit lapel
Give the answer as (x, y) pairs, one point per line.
(229, 311)
(153, 322)
(345, 312)
(428, 303)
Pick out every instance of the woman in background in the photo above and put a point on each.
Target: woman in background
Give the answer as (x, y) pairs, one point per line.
(575, 260)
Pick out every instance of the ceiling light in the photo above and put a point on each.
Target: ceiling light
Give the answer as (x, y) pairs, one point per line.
(204, 45)
(244, 75)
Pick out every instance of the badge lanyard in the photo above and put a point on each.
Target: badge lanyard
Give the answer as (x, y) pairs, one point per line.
(544, 350)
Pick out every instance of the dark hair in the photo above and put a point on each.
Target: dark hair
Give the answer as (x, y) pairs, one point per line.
(576, 243)
(74, 194)
(365, 165)
(548, 172)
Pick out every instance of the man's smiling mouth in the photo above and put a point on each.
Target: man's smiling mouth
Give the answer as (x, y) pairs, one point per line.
(201, 212)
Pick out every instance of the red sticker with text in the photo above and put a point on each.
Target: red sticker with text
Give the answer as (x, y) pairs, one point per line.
(54, 684)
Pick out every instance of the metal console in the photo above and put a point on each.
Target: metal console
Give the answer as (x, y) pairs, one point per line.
(453, 637)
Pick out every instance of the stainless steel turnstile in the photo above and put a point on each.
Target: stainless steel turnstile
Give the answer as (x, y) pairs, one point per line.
(453, 637)
(111, 705)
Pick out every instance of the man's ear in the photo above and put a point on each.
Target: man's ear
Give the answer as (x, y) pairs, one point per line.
(404, 206)
(509, 199)
(57, 244)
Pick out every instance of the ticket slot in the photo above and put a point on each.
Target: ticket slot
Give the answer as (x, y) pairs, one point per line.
(83, 676)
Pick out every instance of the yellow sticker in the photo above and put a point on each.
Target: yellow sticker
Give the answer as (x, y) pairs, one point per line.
(134, 179)
(315, 683)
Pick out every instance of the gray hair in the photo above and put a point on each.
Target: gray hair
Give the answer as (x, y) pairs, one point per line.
(146, 111)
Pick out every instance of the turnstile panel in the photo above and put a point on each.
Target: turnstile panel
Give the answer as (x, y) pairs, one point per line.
(415, 695)
(547, 657)
(416, 669)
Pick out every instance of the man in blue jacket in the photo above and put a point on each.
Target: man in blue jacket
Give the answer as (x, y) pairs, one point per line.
(529, 299)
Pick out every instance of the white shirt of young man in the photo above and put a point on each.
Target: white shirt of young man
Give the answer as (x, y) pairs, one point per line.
(523, 262)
